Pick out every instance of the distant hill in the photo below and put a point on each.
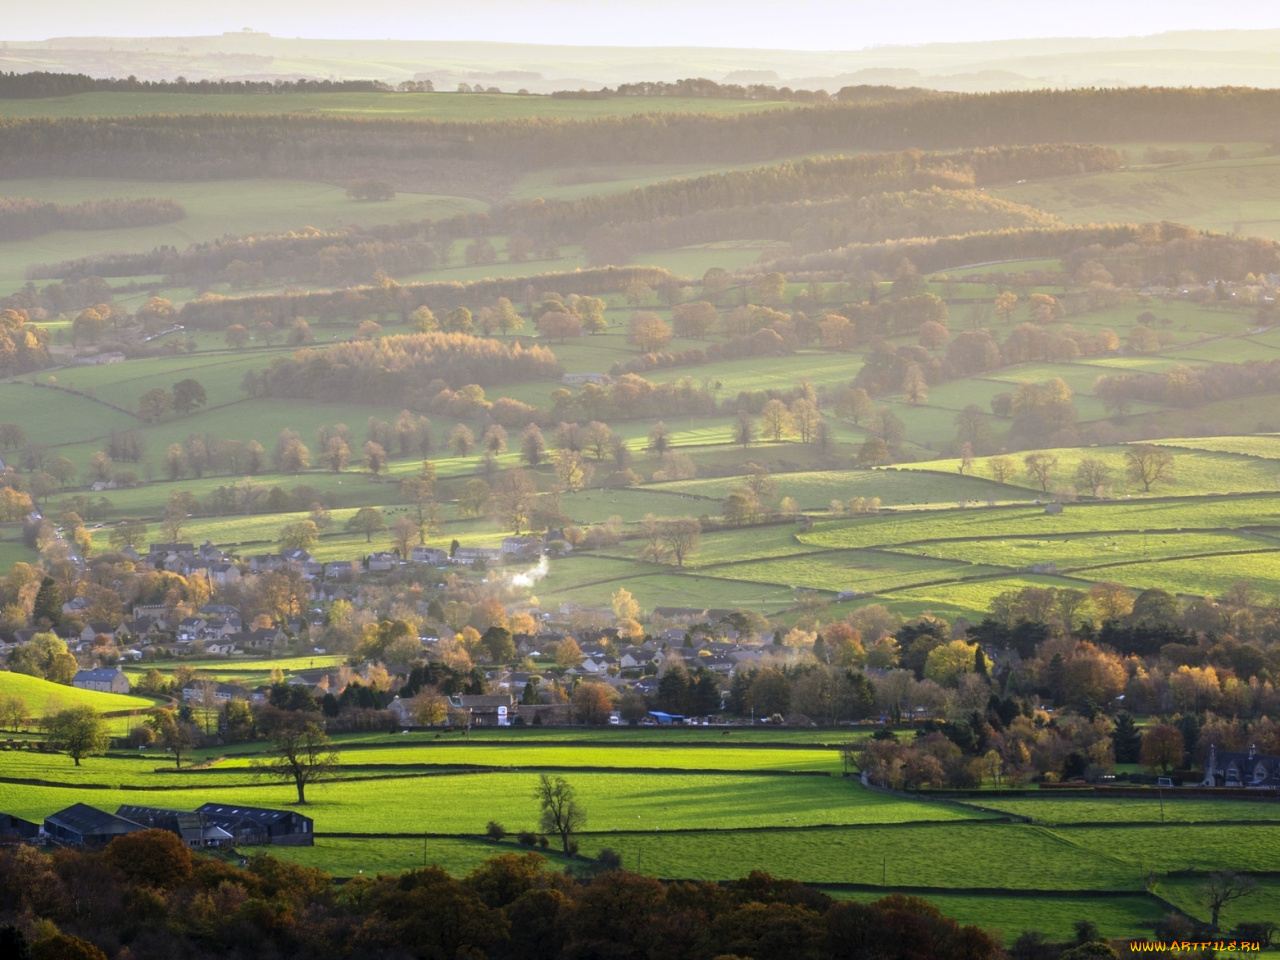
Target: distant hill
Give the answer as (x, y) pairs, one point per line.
(1206, 58)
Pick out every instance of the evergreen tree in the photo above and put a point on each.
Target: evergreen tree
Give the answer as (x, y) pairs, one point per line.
(1126, 739)
(48, 605)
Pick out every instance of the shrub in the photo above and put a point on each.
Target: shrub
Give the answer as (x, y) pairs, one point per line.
(527, 838)
(495, 830)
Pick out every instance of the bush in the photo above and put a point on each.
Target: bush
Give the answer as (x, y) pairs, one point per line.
(608, 859)
(527, 838)
(495, 830)
(543, 842)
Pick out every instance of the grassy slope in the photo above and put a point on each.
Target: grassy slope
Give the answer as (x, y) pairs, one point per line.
(41, 696)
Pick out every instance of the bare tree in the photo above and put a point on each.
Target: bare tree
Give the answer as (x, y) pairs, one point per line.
(1040, 467)
(1223, 887)
(1093, 474)
(561, 813)
(1146, 464)
(1001, 468)
(302, 754)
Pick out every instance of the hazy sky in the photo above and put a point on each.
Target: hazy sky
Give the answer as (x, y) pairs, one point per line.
(792, 24)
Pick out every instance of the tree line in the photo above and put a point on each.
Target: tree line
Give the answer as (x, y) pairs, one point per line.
(22, 218)
(217, 312)
(147, 893)
(39, 84)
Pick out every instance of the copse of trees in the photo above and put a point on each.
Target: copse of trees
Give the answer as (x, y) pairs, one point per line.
(23, 347)
(392, 369)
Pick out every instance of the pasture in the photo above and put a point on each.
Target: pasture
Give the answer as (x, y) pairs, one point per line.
(43, 697)
(372, 106)
(213, 209)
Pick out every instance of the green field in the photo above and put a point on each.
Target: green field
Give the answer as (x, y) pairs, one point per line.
(43, 697)
(381, 106)
(214, 209)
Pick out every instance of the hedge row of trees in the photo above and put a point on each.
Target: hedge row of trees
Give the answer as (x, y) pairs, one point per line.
(22, 218)
(216, 313)
(23, 347)
(39, 84)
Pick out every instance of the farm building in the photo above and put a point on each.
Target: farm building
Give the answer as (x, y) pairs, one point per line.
(83, 825)
(105, 680)
(15, 828)
(487, 709)
(260, 825)
(195, 830)
(1247, 769)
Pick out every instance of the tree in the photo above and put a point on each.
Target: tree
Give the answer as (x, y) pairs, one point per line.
(301, 754)
(366, 520)
(375, 457)
(659, 438)
(514, 493)
(48, 602)
(154, 404)
(872, 453)
(914, 386)
(475, 495)
(1223, 887)
(1092, 474)
(13, 713)
(80, 731)
(237, 336)
(694, 320)
(854, 404)
(457, 320)
(302, 535)
(560, 324)
(505, 317)
(461, 440)
(591, 704)
(1040, 467)
(681, 537)
(775, 420)
(649, 331)
(561, 813)
(172, 733)
(336, 454)
(127, 533)
(533, 446)
(1163, 748)
(404, 531)
(1005, 304)
(188, 394)
(1126, 740)
(1002, 468)
(805, 418)
(1146, 464)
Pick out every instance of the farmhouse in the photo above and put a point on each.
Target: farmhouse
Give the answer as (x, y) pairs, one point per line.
(469, 555)
(261, 825)
(1247, 769)
(83, 825)
(486, 710)
(196, 832)
(105, 680)
(432, 555)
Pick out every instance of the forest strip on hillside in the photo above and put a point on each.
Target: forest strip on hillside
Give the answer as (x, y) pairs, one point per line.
(214, 146)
